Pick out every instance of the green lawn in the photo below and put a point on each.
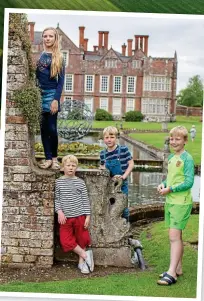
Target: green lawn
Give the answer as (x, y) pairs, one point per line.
(156, 253)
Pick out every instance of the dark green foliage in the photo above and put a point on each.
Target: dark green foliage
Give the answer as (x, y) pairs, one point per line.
(28, 99)
(192, 95)
(133, 116)
(103, 115)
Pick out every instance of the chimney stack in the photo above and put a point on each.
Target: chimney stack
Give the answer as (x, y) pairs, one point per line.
(95, 48)
(141, 42)
(146, 45)
(106, 39)
(124, 49)
(85, 44)
(81, 36)
(100, 39)
(31, 30)
(129, 47)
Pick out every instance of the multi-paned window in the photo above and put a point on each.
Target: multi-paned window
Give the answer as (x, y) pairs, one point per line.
(65, 57)
(157, 83)
(104, 83)
(154, 106)
(69, 104)
(89, 83)
(131, 84)
(69, 82)
(136, 64)
(111, 63)
(117, 106)
(130, 104)
(117, 85)
(68, 98)
(89, 102)
(104, 103)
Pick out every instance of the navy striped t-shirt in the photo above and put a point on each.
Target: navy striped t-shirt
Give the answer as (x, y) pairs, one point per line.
(71, 197)
(125, 156)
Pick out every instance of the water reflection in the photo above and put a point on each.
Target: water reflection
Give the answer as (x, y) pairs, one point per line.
(142, 188)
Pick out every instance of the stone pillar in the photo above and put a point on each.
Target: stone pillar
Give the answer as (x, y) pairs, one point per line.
(109, 231)
(28, 208)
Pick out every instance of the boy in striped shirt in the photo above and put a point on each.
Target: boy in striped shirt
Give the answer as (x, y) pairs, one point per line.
(73, 208)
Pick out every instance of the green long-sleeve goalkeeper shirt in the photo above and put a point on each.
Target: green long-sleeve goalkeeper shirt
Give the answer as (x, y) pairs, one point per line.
(180, 178)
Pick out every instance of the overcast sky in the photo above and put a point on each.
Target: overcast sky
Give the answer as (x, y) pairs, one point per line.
(167, 33)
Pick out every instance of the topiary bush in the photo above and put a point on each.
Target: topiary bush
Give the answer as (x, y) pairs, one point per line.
(133, 116)
(103, 115)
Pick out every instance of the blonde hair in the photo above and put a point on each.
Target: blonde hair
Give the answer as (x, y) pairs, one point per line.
(57, 59)
(180, 131)
(193, 126)
(110, 130)
(70, 158)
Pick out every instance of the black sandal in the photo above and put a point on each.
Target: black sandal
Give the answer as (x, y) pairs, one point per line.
(167, 280)
(163, 274)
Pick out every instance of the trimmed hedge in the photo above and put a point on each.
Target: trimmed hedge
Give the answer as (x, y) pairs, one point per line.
(133, 116)
(103, 115)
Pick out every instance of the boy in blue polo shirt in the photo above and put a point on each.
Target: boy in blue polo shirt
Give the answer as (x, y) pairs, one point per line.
(117, 159)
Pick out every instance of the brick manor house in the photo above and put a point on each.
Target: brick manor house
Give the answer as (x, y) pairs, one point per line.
(116, 81)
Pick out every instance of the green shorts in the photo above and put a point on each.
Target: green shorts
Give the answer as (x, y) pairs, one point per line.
(176, 216)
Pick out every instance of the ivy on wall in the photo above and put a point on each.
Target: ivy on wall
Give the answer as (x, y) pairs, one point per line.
(28, 97)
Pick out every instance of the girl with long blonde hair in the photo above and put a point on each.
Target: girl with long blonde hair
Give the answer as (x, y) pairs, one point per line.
(50, 75)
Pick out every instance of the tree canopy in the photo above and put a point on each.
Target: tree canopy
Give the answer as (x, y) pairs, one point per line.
(192, 95)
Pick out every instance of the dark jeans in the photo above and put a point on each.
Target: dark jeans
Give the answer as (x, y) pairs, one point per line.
(49, 135)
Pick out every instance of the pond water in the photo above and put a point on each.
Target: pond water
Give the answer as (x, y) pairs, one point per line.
(143, 188)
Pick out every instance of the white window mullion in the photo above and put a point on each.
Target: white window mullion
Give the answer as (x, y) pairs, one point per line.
(117, 86)
(104, 103)
(117, 106)
(89, 102)
(104, 83)
(131, 84)
(130, 104)
(68, 87)
(89, 83)
(65, 55)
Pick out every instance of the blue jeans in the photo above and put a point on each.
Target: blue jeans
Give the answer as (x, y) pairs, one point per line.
(49, 134)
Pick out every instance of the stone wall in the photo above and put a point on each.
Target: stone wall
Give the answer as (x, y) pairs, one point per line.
(28, 213)
(189, 111)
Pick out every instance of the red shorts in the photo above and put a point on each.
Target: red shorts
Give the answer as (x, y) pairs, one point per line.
(73, 233)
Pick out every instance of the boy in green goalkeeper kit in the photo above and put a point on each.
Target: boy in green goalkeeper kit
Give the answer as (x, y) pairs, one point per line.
(178, 206)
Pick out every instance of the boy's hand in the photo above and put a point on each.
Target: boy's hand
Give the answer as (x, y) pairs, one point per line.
(87, 222)
(160, 187)
(102, 167)
(119, 177)
(164, 191)
(61, 217)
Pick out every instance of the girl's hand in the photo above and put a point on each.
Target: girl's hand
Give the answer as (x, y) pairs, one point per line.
(160, 187)
(54, 107)
(87, 222)
(61, 217)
